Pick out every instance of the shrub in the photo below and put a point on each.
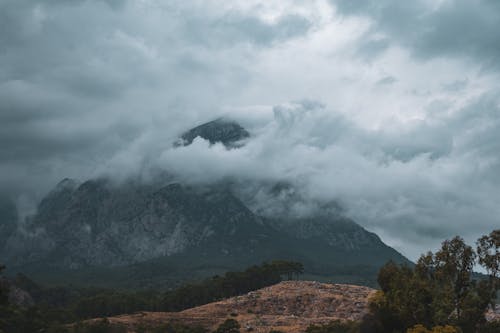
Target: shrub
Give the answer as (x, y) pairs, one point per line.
(437, 329)
(335, 326)
(229, 326)
(100, 326)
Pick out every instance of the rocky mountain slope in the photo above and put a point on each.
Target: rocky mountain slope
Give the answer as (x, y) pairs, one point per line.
(221, 130)
(289, 306)
(98, 224)
(8, 220)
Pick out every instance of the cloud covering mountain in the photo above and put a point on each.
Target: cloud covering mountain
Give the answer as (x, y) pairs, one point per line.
(389, 108)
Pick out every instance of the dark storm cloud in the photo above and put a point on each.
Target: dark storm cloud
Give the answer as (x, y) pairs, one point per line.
(433, 28)
(82, 80)
(405, 136)
(416, 184)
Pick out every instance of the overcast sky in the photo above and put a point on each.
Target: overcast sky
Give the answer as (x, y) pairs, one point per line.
(389, 107)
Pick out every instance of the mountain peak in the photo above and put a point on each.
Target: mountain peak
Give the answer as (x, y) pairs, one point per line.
(67, 184)
(223, 130)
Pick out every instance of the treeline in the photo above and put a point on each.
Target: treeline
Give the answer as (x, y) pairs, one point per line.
(109, 303)
(440, 294)
(231, 284)
(56, 306)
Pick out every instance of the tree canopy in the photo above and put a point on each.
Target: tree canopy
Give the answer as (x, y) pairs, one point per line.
(440, 291)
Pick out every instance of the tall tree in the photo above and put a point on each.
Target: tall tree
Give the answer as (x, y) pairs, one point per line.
(488, 251)
(440, 290)
(454, 263)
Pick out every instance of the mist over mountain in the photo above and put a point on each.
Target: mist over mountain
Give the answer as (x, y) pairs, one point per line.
(389, 108)
(221, 130)
(225, 223)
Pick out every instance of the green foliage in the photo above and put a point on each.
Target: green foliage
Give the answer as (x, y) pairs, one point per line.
(491, 327)
(336, 326)
(53, 297)
(439, 291)
(111, 303)
(14, 319)
(229, 326)
(100, 326)
(18, 320)
(56, 306)
(290, 269)
(231, 284)
(488, 252)
(171, 327)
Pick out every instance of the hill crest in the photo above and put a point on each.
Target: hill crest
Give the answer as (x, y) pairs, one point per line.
(289, 306)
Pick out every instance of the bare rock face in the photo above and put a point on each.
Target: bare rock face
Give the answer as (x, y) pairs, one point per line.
(97, 223)
(20, 297)
(289, 306)
(302, 299)
(221, 130)
(16, 295)
(8, 220)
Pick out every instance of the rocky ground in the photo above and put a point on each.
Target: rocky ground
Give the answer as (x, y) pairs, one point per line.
(290, 306)
(16, 295)
(493, 314)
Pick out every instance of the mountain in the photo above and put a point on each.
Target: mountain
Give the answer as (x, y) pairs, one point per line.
(153, 232)
(221, 130)
(98, 223)
(136, 234)
(8, 220)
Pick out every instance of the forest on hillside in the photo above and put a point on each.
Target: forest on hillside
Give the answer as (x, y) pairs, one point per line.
(57, 306)
(440, 293)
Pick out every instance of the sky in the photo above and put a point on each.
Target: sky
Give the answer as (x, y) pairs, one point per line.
(390, 108)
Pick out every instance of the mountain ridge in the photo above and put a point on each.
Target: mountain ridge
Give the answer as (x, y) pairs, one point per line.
(101, 225)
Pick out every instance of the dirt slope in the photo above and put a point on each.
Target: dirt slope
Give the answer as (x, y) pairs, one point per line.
(289, 306)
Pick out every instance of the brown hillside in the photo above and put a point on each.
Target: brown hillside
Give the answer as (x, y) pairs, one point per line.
(289, 306)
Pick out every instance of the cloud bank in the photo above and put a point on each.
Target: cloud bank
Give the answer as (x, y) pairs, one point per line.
(389, 108)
